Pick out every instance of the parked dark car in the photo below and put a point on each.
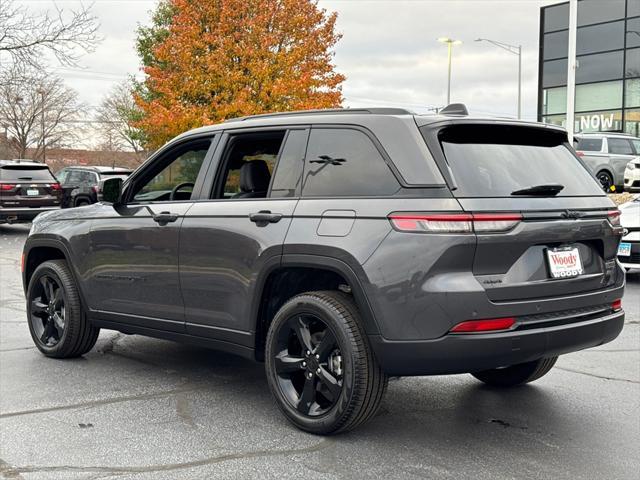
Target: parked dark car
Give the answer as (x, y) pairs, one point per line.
(26, 189)
(341, 247)
(83, 185)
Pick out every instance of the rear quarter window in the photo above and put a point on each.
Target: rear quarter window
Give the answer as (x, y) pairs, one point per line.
(495, 161)
(344, 162)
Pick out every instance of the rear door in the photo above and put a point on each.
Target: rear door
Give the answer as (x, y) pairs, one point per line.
(229, 240)
(28, 186)
(527, 236)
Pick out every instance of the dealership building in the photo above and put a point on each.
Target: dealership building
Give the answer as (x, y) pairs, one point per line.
(608, 74)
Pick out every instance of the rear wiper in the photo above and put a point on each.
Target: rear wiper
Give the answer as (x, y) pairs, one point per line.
(542, 190)
(25, 178)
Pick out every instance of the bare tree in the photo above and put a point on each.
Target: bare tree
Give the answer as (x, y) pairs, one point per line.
(115, 118)
(38, 111)
(25, 37)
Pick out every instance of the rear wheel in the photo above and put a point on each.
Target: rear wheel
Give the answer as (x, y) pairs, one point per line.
(516, 374)
(57, 323)
(606, 180)
(83, 202)
(319, 364)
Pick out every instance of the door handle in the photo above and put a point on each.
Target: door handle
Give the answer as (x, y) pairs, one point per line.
(263, 217)
(163, 218)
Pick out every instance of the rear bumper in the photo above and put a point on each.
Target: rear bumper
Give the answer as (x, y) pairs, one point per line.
(475, 352)
(23, 214)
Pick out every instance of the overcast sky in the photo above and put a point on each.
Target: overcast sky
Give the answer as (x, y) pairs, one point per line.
(388, 52)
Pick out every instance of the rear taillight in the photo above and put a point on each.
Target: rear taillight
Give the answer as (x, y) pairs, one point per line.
(614, 217)
(617, 305)
(96, 189)
(5, 187)
(55, 186)
(455, 222)
(22, 263)
(487, 325)
(580, 154)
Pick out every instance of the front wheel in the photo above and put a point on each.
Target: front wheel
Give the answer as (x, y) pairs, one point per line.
(516, 374)
(320, 367)
(57, 322)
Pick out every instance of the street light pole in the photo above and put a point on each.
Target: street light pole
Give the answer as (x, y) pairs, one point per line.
(450, 43)
(516, 50)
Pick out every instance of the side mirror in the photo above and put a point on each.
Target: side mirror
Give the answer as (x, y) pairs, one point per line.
(112, 190)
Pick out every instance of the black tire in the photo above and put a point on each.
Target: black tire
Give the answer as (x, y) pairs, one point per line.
(74, 335)
(82, 202)
(606, 180)
(516, 374)
(362, 382)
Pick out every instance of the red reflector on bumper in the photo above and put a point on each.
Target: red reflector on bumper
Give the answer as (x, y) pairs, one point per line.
(493, 324)
(617, 305)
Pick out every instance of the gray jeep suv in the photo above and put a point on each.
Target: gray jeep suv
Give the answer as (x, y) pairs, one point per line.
(340, 248)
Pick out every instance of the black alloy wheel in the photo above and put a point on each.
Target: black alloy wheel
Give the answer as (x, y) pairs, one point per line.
(320, 367)
(605, 180)
(309, 364)
(57, 323)
(47, 312)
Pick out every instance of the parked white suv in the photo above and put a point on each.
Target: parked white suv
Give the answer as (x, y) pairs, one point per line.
(607, 156)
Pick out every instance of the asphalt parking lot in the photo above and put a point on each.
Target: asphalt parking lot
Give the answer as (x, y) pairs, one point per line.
(139, 408)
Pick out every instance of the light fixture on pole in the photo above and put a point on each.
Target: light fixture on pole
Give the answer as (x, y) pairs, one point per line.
(516, 50)
(450, 42)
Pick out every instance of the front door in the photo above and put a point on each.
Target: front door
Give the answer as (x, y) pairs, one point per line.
(133, 272)
(226, 243)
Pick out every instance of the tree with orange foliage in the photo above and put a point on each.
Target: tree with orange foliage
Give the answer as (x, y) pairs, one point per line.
(209, 60)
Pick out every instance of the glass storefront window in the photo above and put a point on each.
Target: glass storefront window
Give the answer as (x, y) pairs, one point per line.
(559, 120)
(554, 101)
(596, 11)
(556, 17)
(604, 121)
(633, 32)
(600, 38)
(632, 93)
(598, 96)
(601, 66)
(556, 44)
(554, 73)
(632, 122)
(633, 63)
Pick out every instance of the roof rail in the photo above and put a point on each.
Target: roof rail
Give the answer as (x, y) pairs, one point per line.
(455, 109)
(329, 111)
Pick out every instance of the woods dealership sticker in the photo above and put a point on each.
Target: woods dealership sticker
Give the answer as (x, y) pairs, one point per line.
(564, 262)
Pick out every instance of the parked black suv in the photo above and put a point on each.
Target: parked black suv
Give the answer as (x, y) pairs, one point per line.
(341, 247)
(83, 185)
(27, 189)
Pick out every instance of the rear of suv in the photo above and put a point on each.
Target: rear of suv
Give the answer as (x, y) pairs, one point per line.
(83, 185)
(608, 156)
(342, 247)
(26, 190)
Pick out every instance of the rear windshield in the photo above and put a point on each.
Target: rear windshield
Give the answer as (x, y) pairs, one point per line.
(589, 144)
(495, 161)
(17, 173)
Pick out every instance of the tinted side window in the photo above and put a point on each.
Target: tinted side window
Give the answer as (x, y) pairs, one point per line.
(74, 177)
(286, 181)
(345, 162)
(620, 146)
(590, 144)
